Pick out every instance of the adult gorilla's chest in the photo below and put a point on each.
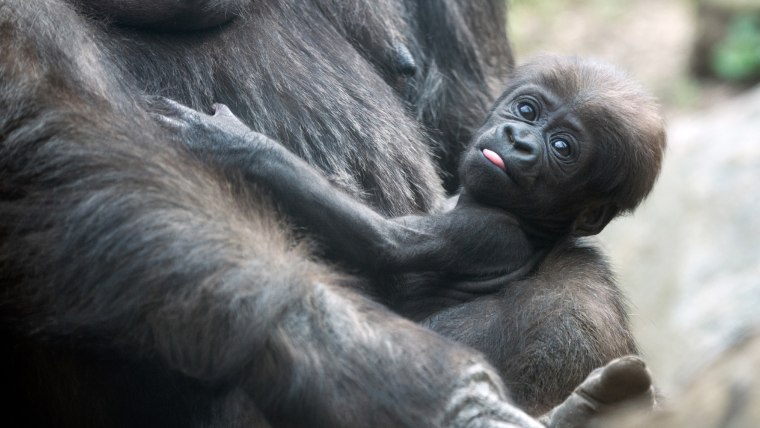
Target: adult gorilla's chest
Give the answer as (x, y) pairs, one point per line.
(304, 84)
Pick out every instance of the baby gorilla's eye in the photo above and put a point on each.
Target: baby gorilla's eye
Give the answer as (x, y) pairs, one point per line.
(562, 147)
(527, 110)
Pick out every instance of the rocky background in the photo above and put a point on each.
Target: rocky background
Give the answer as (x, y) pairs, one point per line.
(689, 258)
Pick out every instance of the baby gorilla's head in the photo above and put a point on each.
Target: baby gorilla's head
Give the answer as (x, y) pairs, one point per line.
(570, 144)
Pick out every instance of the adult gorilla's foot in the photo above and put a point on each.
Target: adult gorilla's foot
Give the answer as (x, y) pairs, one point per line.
(621, 383)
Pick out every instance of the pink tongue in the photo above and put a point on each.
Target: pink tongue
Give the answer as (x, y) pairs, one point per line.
(495, 159)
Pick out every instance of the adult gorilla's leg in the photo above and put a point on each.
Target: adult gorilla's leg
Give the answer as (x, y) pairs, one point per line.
(115, 242)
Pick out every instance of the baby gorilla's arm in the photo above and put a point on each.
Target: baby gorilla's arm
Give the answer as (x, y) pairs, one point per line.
(353, 232)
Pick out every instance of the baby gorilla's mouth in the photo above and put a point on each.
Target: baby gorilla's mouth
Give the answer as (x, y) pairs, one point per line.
(495, 159)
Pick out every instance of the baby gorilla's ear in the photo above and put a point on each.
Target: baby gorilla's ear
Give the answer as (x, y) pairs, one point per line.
(591, 220)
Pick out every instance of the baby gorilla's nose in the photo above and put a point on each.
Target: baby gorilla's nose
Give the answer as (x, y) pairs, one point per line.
(522, 139)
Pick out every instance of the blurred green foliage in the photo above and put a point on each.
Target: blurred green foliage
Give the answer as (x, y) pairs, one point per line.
(737, 56)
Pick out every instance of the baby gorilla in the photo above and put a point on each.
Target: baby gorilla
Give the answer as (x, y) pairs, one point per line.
(570, 144)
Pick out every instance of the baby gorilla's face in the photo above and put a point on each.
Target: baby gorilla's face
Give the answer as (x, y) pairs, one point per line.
(530, 155)
(570, 144)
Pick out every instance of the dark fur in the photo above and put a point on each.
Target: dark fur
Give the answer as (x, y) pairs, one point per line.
(493, 232)
(613, 127)
(165, 15)
(438, 261)
(140, 288)
(469, 250)
(623, 118)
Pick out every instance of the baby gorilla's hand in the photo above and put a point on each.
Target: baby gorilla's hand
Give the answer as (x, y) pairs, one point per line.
(221, 136)
(196, 127)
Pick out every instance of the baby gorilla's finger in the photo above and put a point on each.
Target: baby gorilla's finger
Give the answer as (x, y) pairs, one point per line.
(222, 110)
(170, 108)
(184, 112)
(167, 122)
(226, 120)
(160, 105)
(155, 102)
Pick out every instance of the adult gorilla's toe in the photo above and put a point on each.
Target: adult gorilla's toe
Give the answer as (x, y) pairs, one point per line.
(624, 382)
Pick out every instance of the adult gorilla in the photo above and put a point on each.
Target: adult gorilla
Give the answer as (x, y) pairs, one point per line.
(141, 288)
